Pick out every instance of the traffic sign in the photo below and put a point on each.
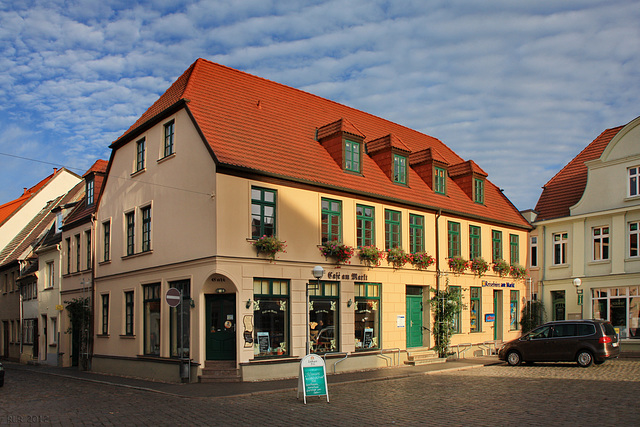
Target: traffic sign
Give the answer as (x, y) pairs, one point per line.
(173, 297)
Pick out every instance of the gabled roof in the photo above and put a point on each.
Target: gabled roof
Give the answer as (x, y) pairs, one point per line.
(565, 189)
(256, 125)
(81, 211)
(9, 208)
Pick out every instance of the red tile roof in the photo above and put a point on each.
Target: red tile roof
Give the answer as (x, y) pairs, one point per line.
(566, 188)
(9, 208)
(258, 125)
(81, 212)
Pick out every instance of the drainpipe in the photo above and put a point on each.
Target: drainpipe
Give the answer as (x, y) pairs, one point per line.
(438, 250)
(542, 265)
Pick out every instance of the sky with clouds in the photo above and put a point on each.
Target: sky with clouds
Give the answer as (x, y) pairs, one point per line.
(520, 87)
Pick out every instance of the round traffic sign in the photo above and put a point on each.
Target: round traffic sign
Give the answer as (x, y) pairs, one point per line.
(173, 297)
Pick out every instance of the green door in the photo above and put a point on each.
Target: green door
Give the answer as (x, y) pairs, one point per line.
(221, 326)
(414, 321)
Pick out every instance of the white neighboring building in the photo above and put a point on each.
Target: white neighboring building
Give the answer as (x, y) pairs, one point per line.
(585, 245)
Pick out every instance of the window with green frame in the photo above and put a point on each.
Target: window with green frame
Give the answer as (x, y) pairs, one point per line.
(416, 233)
(365, 221)
(457, 328)
(478, 190)
(352, 156)
(513, 310)
(331, 220)
(454, 238)
(474, 242)
(439, 180)
(151, 320)
(475, 310)
(263, 212)
(368, 314)
(271, 317)
(399, 169)
(324, 318)
(496, 245)
(392, 223)
(180, 320)
(514, 245)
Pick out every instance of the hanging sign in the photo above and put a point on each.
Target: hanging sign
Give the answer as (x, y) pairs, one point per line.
(313, 377)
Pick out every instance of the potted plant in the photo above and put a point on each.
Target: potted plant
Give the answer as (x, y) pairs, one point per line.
(479, 266)
(518, 272)
(269, 245)
(340, 252)
(422, 260)
(397, 257)
(457, 264)
(371, 256)
(501, 268)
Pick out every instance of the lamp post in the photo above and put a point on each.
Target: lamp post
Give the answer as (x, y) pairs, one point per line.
(577, 282)
(318, 272)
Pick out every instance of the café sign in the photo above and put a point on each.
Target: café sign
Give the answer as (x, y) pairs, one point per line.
(337, 275)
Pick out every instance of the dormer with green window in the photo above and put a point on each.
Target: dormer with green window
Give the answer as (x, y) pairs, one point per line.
(392, 156)
(470, 178)
(345, 143)
(432, 167)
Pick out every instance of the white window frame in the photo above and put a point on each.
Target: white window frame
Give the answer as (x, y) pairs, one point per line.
(636, 233)
(533, 244)
(50, 275)
(562, 242)
(633, 174)
(600, 239)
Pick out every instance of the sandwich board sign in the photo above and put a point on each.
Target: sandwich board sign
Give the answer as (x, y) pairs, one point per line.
(313, 377)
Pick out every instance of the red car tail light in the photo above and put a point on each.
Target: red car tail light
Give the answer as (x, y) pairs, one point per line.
(605, 340)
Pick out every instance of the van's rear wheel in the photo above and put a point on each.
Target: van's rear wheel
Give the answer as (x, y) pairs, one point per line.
(513, 358)
(585, 358)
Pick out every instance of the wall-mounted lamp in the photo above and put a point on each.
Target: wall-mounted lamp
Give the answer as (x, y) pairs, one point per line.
(221, 290)
(248, 304)
(192, 303)
(350, 302)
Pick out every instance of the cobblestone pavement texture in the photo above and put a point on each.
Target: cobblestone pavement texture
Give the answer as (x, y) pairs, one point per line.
(541, 394)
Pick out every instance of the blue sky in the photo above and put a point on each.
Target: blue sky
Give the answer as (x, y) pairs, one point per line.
(520, 87)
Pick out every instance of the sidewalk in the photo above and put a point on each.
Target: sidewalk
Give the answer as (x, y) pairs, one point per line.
(198, 390)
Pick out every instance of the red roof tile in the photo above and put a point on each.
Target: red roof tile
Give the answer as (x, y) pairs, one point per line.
(8, 209)
(566, 188)
(259, 125)
(81, 212)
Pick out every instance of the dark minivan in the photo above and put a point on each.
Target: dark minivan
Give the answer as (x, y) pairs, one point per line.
(582, 341)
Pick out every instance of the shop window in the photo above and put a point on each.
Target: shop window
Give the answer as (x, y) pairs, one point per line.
(151, 303)
(456, 326)
(263, 212)
(331, 220)
(513, 310)
(180, 321)
(365, 221)
(496, 245)
(475, 310)
(634, 239)
(560, 248)
(367, 316)
(416, 233)
(271, 317)
(474, 242)
(454, 238)
(324, 317)
(392, 227)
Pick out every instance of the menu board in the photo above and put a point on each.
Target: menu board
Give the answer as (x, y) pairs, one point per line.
(367, 342)
(263, 342)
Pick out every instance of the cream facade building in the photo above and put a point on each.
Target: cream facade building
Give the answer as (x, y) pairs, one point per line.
(584, 254)
(224, 158)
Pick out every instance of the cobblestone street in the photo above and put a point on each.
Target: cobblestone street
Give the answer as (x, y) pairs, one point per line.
(542, 394)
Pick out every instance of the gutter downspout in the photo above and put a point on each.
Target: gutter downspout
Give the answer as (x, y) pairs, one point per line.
(93, 292)
(438, 250)
(544, 269)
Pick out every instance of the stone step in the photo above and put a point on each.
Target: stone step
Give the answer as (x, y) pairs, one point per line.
(417, 362)
(220, 371)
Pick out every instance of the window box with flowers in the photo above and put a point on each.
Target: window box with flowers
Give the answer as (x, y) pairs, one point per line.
(518, 272)
(457, 264)
(398, 258)
(479, 266)
(422, 260)
(338, 251)
(371, 256)
(269, 245)
(501, 268)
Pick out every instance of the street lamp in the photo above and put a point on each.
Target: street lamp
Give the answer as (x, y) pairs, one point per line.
(317, 272)
(577, 282)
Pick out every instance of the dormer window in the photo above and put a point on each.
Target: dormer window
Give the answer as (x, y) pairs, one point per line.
(399, 169)
(352, 156)
(439, 180)
(478, 190)
(89, 191)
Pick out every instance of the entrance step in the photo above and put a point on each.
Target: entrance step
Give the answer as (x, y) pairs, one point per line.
(423, 357)
(220, 371)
